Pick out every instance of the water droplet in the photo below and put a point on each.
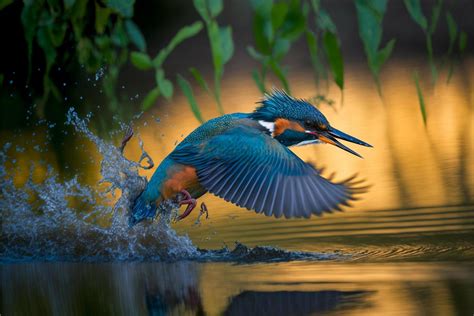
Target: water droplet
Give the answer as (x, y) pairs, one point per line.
(99, 74)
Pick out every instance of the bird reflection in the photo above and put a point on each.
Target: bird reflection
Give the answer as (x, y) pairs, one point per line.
(294, 303)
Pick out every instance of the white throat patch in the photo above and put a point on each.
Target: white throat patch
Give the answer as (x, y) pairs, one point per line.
(308, 142)
(270, 126)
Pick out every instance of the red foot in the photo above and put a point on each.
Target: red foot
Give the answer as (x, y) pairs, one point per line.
(188, 200)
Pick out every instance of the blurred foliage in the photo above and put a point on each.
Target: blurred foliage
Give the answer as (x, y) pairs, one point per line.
(222, 45)
(370, 16)
(143, 61)
(428, 27)
(275, 27)
(102, 33)
(326, 29)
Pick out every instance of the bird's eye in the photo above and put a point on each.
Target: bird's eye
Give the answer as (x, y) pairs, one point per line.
(308, 123)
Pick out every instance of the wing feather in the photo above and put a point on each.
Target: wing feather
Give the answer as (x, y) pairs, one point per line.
(253, 170)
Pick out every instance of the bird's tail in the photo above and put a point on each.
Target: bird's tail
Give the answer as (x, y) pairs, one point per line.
(142, 209)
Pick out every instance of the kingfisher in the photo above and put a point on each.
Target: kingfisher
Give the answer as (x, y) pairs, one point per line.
(244, 158)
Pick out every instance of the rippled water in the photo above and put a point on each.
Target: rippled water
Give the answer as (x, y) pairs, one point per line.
(407, 247)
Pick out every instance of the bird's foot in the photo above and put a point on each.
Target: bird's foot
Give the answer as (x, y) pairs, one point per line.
(189, 201)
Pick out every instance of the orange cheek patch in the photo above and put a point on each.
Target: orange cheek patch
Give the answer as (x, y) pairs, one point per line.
(281, 125)
(183, 178)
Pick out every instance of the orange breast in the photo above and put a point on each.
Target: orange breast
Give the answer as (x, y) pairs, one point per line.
(281, 125)
(179, 178)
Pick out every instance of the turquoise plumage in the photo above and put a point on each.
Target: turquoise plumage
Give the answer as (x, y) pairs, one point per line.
(244, 159)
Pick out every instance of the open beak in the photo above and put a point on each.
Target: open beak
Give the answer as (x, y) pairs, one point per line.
(330, 136)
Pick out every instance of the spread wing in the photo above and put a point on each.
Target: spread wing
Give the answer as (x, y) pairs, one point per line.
(253, 170)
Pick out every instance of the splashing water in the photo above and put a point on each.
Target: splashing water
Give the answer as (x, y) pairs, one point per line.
(50, 228)
(66, 220)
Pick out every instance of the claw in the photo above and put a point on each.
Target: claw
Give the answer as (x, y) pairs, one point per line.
(188, 200)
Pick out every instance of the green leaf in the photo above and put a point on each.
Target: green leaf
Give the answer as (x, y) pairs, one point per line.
(101, 18)
(385, 53)
(121, 7)
(135, 35)
(414, 8)
(4, 3)
(312, 43)
(119, 36)
(57, 32)
(278, 14)
(150, 98)
(215, 7)
(30, 15)
(255, 55)
(262, 7)
(369, 16)
(183, 34)
(227, 45)
(166, 86)
(262, 25)
(141, 60)
(200, 79)
(216, 48)
(44, 41)
(295, 22)
(280, 48)
(462, 42)
(77, 13)
(281, 75)
(324, 21)
(421, 99)
(258, 81)
(333, 53)
(188, 93)
(201, 8)
(453, 31)
(435, 16)
(68, 4)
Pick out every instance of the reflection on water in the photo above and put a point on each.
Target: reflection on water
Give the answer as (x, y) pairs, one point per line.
(188, 288)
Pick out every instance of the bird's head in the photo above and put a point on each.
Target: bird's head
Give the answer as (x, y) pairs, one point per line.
(297, 122)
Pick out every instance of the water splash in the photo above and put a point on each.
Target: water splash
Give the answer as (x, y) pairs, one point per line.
(56, 219)
(68, 220)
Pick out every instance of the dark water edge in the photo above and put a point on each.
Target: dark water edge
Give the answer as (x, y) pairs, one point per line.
(240, 254)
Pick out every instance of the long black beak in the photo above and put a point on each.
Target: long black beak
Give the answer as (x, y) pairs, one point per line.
(337, 133)
(331, 135)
